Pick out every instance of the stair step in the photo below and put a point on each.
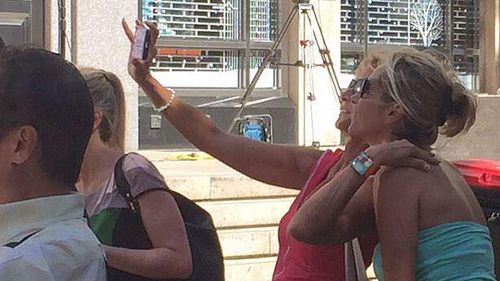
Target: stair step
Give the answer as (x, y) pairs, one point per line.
(252, 269)
(211, 179)
(245, 213)
(239, 243)
(260, 268)
(225, 187)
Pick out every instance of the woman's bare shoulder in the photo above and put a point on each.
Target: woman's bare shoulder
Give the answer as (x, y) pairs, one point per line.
(402, 180)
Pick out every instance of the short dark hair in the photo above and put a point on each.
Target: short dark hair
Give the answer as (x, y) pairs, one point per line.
(40, 89)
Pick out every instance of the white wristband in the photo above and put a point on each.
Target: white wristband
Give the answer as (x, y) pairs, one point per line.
(167, 105)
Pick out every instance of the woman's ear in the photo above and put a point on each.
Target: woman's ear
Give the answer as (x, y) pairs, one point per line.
(97, 120)
(394, 114)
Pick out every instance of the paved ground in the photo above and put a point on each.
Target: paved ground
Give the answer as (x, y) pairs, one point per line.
(207, 166)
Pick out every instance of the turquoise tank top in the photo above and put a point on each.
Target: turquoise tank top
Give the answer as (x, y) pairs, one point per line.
(456, 251)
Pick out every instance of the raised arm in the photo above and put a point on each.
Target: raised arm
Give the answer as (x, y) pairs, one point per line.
(281, 165)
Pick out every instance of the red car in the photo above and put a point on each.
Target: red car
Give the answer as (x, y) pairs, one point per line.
(483, 176)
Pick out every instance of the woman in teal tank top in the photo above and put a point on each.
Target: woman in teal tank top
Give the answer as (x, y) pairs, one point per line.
(429, 224)
(448, 252)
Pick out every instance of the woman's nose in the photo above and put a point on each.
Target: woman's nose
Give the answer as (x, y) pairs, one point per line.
(354, 99)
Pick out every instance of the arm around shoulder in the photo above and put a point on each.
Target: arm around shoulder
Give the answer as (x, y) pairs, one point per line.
(337, 212)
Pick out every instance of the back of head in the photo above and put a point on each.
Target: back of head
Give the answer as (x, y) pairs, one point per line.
(109, 98)
(40, 89)
(433, 98)
(374, 59)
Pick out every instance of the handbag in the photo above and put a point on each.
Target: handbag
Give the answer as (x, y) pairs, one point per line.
(206, 252)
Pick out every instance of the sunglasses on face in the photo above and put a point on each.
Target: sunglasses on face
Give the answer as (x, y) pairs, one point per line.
(357, 88)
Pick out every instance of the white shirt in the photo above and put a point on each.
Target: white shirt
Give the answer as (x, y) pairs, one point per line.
(63, 248)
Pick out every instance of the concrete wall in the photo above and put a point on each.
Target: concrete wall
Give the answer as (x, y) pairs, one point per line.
(97, 40)
(101, 43)
(482, 141)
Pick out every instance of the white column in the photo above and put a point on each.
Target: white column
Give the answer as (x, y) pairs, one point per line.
(101, 43)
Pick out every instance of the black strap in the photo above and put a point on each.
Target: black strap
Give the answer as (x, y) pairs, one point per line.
(15, 244)
(124, 187)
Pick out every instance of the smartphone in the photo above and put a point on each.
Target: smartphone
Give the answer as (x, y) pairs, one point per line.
(140, 47)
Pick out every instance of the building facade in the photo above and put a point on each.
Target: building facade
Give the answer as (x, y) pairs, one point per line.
(211, 49)
(450, 26)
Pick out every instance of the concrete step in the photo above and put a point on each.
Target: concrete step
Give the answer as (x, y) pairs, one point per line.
(247, 242)
(253, 269)
(260, 268)
(245, 213)
(201, 188)
(211, 180)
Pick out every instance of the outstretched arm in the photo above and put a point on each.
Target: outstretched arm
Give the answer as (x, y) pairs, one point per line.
(281, 165)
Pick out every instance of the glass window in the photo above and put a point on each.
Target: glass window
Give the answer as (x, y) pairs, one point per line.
(451, 26)
(208, 43)
(208, 68)
(21, 22)
(270, 76)
(195, 20)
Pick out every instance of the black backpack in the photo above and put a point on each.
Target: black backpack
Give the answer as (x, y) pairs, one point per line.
(207, 258)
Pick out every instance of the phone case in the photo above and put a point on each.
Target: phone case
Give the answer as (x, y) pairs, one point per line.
(140, 47)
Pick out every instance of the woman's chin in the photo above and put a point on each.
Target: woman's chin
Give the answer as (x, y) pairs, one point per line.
(343, 124)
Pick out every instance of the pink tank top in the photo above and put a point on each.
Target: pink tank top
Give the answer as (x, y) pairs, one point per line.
(299, 261)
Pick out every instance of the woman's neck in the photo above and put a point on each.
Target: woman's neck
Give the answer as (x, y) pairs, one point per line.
(352, 148)
(97, 167)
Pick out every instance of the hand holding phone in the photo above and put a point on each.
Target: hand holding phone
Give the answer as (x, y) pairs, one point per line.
(143, 48)
(141, 43)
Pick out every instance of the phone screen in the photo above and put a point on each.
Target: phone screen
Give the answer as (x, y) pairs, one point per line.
(140, 47)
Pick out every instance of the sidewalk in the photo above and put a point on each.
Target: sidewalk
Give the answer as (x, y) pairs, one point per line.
(187, 168)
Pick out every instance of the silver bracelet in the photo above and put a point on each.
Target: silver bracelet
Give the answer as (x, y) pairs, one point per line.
(167, 105)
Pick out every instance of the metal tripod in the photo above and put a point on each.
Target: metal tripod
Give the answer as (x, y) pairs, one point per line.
(305, 8)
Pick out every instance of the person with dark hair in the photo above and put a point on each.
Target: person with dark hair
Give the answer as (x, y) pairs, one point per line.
(47, 118)
(2, 44)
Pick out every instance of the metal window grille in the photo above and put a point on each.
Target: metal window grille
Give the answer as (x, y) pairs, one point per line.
(220, 25)
(389, 23)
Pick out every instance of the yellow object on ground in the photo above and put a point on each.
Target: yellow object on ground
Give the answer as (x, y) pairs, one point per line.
(188, 156)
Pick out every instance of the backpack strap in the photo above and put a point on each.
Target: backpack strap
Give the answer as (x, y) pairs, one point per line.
(123, 186)
(15, 244)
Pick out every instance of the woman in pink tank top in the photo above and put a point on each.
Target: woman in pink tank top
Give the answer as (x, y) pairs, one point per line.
(298, 261)
(301, 261)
